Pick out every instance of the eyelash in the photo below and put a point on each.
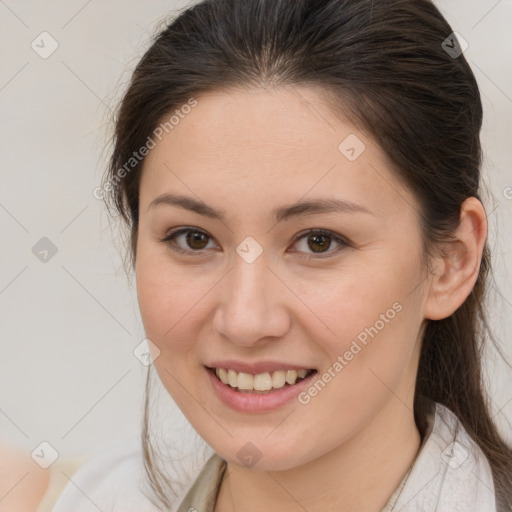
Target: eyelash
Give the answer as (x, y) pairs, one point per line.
(334, 238)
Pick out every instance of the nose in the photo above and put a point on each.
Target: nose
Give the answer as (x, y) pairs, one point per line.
(251, 305)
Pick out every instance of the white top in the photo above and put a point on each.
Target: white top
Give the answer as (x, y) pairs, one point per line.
(449, 474)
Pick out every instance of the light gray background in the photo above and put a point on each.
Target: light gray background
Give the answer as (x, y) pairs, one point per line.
(68, 326)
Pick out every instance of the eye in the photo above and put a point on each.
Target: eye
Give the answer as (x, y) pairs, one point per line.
(194, 239)
(319, 241)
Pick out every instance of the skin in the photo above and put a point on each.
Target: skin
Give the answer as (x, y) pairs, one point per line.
(22, 482)
(248, 152)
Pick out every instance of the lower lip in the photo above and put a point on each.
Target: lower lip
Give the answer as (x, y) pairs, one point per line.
(254, 402)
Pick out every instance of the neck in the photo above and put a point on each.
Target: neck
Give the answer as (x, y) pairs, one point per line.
(360, 474)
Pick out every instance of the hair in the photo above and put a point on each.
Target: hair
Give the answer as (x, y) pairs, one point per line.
(386, 70)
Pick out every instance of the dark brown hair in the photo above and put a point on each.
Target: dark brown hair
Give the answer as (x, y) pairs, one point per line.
(390, 74)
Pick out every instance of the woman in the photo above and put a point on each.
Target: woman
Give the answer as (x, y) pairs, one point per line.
(301, 184)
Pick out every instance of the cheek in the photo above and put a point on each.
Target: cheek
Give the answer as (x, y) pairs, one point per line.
(171, 301)
(355, 301)
(370, 324)
(368, 315)
(161, 296)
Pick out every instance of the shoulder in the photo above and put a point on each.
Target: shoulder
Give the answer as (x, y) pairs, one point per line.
(112, 481)
(467, 474)
(115, 481)
(451, 473)
(458, 449)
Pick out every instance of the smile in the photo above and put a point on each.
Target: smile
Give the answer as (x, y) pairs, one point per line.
(228, 386)
(262, 382)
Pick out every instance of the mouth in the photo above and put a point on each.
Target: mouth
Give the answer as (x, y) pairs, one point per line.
(262, 383)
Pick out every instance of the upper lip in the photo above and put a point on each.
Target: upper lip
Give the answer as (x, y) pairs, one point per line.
(256, 368)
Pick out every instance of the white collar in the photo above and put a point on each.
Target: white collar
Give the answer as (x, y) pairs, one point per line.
(450, 473)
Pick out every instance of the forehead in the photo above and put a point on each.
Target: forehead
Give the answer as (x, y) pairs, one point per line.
(267, 143)
(285, 121)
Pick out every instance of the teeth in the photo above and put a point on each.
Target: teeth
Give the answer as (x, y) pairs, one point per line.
(278, 379)
(291, 376)
(232, 378)
(222, 374)
(245, 381)
(261, 381)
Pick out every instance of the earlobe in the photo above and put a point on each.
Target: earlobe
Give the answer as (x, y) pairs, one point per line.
(457, 268)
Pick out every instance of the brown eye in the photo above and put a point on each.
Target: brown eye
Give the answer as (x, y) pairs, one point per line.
(319, 241)
(191, 240)
(196, 239)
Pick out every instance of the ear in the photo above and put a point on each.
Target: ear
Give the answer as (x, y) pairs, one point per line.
(456, 269)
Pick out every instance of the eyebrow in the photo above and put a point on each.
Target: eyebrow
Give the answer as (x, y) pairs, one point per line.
(310, 207)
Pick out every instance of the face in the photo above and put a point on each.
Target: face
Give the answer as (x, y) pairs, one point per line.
(341, 291)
